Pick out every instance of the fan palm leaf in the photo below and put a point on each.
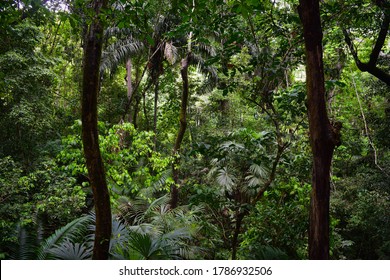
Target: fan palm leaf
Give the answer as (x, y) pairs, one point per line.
(68, 250)
(145, 246)
(225, 179)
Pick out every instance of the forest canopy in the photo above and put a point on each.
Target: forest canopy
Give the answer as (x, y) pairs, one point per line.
(167, 129)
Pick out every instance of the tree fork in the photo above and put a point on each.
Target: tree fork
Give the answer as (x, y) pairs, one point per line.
(323, 136)
(90, 88)
(371, 66)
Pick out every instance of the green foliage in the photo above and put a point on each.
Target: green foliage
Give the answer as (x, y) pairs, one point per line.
(38, 201)
(50, 187)
(161, 234)
(71, 251)
(247, 99)
(158, 232)
(133, 168)
(26, 115)
(13, 201)
(363, 223)
(58, 243)
(278, 227)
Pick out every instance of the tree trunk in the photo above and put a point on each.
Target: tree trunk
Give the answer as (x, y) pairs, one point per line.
(156, 88)
(323, 137)
(239, 218)
(134, 118)
(180, 134)
(129, 85)
(91, 63)
(133, 115)
(145, 110)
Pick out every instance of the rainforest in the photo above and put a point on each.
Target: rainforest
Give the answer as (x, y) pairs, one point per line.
(194, 129)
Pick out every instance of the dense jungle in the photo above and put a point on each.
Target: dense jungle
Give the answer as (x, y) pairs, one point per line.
(194, 129)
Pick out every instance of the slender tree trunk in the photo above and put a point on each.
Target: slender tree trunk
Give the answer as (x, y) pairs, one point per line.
(133, 115)
(91, 63)
(129, 85)
(182, 129)
(323, 136)
(146, 117)
(134, 119)
(156, 88)
(239, 218)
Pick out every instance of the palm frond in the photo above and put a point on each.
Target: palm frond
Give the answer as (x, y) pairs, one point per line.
(267, 252)
(206, 49)
(225, 179)
(132, 211)
(160, 183)
(147, 228)
(27, 243)
(209, 71)
(254, 181)
(71, 251)
(138, 211)
(119, 236)
(258, 170)
(118, 53)
(158, 205)
(71, 231)
(176, 234)
(170, 53)
(147, 247)
(231, 146)
(117, 32)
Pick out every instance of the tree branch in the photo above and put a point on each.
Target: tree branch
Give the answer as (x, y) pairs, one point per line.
(380, 40)
(371, 66)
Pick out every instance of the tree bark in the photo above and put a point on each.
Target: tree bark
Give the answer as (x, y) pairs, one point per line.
(182, 129)
(239, 219)
(91, 63)
(323, 136)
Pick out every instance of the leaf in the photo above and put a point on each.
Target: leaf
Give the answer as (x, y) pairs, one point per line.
(150, 40)
(69, 231)
(231, 146)
(224, 179)
(258, 170)
(170, 52)
(253, 181)
(119, 234)
(144, 245)
(71, 251)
